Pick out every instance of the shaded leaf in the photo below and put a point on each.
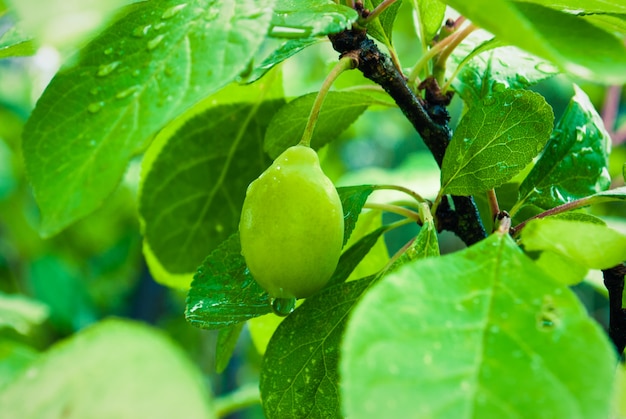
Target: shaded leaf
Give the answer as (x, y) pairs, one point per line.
(339, 111)
(574, 163)
(226, 342)
(478, 333)
(575, 45)
(495, 141)
(223, 293)
(308, 18)
(299, 375)
(116, 369)
(142, 71)
(193, 191)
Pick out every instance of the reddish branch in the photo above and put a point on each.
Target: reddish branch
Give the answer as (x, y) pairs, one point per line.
(429, 117)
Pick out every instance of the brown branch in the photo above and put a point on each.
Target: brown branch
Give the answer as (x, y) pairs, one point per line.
(614, 283)
(429, 118)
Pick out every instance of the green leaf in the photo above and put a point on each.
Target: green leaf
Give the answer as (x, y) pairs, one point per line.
(308, 18)
(425, 245)
(299, 372)
(381, 28)
(192, 195)
(352, 200)
(430, 16)
(487, 65)
(575, 162)
(226, 341)
(14, 43)
(116, 369)
(223, 293)
(612, 195)
(21, 313)
(575, 45)
(142, 71)
(495, 141)
(351, 258)
(583, 6)
(478, 333)
(14, 358)
(339, 111)
(590, 245)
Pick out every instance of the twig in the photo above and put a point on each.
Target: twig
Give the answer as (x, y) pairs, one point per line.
(614, 283)
(435, 132)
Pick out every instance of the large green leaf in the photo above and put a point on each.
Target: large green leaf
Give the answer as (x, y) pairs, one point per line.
(299, 376)
(574, 164)
(479, 333)
(495, 141)
(192, 195)
(487, 65)
(115, 369)
(126, 84)
(572, 43)
(339, 111)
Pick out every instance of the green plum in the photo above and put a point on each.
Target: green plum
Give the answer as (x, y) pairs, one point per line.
(291, 226)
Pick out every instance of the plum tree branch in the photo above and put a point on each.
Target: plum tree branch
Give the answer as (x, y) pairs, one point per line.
(614, 283)
(429, 117)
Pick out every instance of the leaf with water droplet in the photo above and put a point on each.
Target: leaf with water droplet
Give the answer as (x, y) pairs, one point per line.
(566, 170)
(310, 18)
(488, 64)
(175, 64)
(572, 43)
(518, 329)
(506, 132)
(303, 354)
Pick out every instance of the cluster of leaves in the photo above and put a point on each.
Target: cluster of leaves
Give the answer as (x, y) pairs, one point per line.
(491, 330)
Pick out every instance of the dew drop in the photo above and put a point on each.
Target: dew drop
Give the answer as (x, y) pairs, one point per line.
(108, 51)
(127, 92)
(95, 107)
(106, 69)
(173, 11)
(159, 26)
(154, 42)
(283, 306)
(94, 91)
(141, 31)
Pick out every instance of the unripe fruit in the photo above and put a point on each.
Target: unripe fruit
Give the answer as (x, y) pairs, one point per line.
(291, 226)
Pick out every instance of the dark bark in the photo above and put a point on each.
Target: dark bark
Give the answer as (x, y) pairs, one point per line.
(429, 117)
(614, 283)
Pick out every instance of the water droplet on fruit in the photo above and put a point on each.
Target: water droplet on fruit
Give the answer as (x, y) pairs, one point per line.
(106, 69)
(283, 306)
(95, 107)
(173, 11)
(154, 42)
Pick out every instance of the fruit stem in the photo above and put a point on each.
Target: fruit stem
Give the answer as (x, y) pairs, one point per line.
(407, 191)
(396, 210)
(347, 62)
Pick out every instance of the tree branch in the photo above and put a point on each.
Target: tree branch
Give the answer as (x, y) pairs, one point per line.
(429, 117)
(614, 283)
